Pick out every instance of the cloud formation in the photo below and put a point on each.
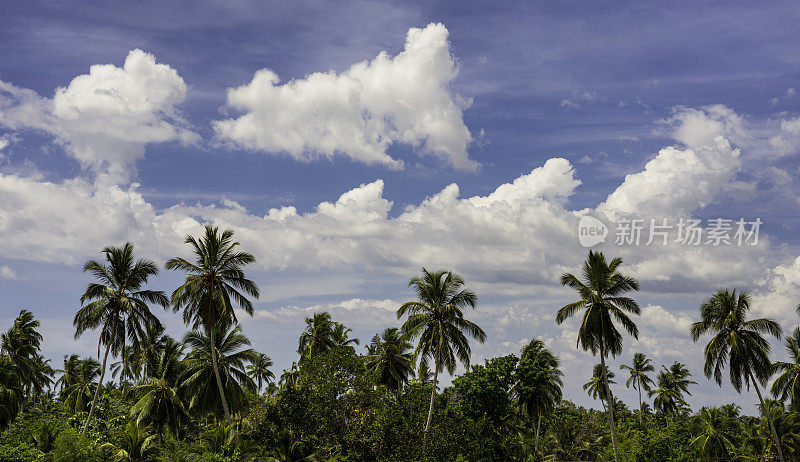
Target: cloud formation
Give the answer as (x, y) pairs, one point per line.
(360, 112)
(106, 117)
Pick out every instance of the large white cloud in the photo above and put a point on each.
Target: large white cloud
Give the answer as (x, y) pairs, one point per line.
(360, 112)
(105, 118)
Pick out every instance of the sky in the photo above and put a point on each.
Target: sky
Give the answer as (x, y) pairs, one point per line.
(350, 144)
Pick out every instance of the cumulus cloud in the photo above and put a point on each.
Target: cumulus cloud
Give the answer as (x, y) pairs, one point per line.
(106, 117)
(682, 179)
(360, 112)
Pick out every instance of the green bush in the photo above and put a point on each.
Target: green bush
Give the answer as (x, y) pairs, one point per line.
(72, 447)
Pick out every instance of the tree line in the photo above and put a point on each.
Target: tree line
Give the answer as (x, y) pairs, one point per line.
(211, 396)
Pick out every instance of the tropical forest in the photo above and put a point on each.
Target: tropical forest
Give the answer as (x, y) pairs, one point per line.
(209, 396)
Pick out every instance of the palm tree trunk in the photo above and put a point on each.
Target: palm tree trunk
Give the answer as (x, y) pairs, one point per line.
(99, 384)
(219, 380)
(610, 399)
(430, 408)
(767, 416)
(640, 403)
(536, 436)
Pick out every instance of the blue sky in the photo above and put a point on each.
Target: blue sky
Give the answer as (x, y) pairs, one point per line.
(485, 94)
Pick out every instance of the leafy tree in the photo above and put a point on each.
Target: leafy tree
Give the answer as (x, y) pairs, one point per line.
(436, 318)
(21, 345)
(11, 392)
(638, 377)
(259, 370)
(787, 385)
(602, 298)
(391, 359)
(213, 282)
(538, 383)
(232, 350)
(737, 343)
(118, 305)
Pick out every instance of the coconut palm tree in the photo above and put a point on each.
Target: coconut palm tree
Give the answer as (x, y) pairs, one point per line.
(787, 385)
(69, 373)
(135, 445)
(83, 385)
(20, 344)
(117, 304)
(259, 370)
(318, 336)
(597, 385)
(233, 352)
(11, 391)
(538, 383)
(602, 298)
(341, 335)
(715, 441)
(737, 343)
(391, 359)
(437, 320)
(668, 394)
(638, 376)
(214, 282)
(162, 403)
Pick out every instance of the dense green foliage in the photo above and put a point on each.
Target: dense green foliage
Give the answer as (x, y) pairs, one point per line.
(338, 404)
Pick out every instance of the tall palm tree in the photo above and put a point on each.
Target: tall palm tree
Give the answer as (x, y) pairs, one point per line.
(233, 352)
(391, 359)
(70, 371)
(597, 386)
(638, 376)
(161, 403)
(538, 383)
(11, 391)
(602, 298)
(437, 320)
(787, 385)
(259, 370)
(318, 336)
(214, 281)
(118, 305)
(737, 343)
(83, 385)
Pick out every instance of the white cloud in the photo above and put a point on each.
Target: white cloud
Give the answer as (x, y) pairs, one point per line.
(6, 272)
(787, 141)
(104, 118)
(680, 180)
(359, 112)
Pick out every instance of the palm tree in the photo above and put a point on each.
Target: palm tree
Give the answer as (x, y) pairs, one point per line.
(213, 282)
(602, 298)
(318, 336)
(737, 343)
(787, 385)
(597, 385)
(424, 374)
(162, 404)
(715, 441)
(117, 304)
(11, 392)
(20, 344)
(341, 335)
(135, 445)
(638, 376)
(538, 383)
(259, 370)
(437, 319)
(83, 385)
(391, 359)
(70, 371)
(231, 348)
